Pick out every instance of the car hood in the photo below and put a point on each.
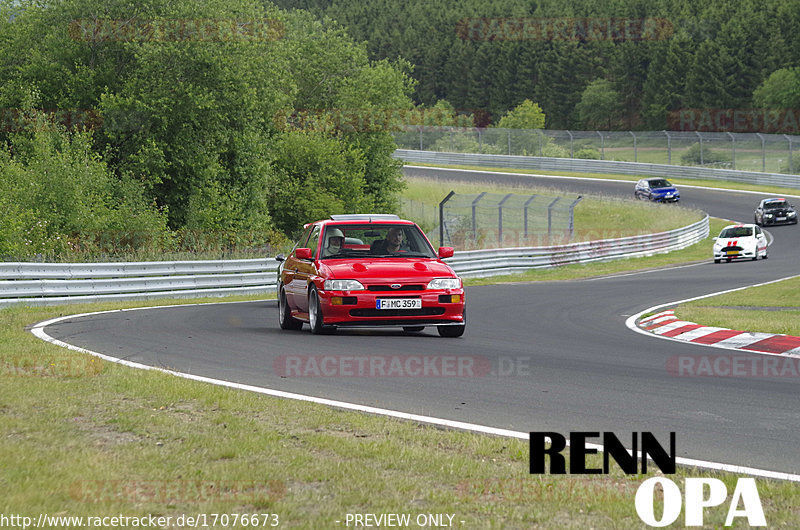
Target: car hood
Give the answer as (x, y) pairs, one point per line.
(668, 189)
(388, 269)
(736, 241)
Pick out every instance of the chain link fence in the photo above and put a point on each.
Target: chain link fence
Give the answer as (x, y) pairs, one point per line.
(495, 220)
(767, 153)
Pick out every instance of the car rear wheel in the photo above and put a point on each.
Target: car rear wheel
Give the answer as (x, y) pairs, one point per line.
(315, 317)
(285, 318)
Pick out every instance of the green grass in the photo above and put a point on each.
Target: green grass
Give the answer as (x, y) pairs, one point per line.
(596, 217)
(773, 308)
(93, 438)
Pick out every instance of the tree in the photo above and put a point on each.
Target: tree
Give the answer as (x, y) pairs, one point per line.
(526, 115)
(781, 90)
(599, 106)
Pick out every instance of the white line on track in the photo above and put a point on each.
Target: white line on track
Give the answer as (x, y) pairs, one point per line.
(39, 331)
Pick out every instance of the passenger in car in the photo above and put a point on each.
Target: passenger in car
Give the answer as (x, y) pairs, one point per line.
(392, 243)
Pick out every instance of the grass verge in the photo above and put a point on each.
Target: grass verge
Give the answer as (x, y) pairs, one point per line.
(773, 308)
(84, 437)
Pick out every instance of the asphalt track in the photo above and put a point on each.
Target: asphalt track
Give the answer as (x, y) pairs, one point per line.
(562, 359)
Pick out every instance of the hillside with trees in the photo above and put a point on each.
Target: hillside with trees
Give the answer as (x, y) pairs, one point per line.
(158, 125)
(492, 56)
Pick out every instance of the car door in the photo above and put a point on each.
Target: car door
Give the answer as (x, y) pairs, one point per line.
(305, 269)
(760, 214)
(761, 240)
(290, 268)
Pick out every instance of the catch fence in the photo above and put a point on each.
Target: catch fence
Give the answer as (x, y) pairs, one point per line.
(491, 220)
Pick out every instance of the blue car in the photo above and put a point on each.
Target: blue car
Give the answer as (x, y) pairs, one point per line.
(657, 189)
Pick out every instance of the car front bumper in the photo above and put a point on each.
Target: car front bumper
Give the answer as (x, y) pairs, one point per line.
(359, 308)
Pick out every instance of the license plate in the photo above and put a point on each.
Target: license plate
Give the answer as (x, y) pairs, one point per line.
(732, 253)
(398, 303)
(780, 218)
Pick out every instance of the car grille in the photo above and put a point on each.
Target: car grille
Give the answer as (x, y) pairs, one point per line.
(383, 288)
(425, 311)
(738, 249)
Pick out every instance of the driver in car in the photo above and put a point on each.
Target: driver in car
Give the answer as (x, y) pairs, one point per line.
(334, 241)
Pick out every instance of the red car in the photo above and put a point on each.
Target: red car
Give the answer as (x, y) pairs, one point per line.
(367, 271)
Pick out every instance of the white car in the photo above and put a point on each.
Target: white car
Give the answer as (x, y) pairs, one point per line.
(740, 241)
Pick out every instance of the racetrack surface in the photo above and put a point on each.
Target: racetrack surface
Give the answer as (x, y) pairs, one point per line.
(573, 364)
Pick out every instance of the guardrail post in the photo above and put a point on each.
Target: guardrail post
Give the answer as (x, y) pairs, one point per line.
(571, 145)
(500, 219)
(441, 217)
(669, 148)
(602, 146)
(700, 140)
(763, 154)
(572, 215)
(791, 169)
(474, 216)
(480, 140)
(420, 138)
(508, 136)
(550, 218)
(635, 158)
(525, 215)
(733, 150)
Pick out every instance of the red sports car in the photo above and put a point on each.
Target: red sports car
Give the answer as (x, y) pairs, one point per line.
(368, 271)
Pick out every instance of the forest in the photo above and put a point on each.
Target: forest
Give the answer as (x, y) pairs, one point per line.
(589, 64)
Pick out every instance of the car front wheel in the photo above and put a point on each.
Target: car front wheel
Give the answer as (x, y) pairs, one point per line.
(315, 317)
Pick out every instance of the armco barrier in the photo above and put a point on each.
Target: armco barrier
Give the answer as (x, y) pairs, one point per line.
(483, 263)
(59, 283)
(577, 165)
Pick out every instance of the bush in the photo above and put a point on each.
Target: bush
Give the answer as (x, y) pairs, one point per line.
(588, 153)
(795, 166)
(709, 158)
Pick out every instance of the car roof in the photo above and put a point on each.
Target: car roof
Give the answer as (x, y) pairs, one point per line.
(776, 199)
(345, 219)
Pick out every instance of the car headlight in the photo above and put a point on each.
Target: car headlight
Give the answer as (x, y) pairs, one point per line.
(445, 283)
(792, 214)
(768, 215)
(343, 285)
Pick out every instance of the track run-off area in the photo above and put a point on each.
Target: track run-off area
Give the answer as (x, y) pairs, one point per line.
(536, 356)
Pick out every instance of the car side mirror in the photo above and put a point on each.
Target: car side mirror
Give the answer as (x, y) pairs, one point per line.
(280, 258)
(445, 252)
(302, 253)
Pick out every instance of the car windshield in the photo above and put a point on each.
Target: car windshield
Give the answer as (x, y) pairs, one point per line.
(772, 205)
(660, 183)
(375, 240)
(736, 231)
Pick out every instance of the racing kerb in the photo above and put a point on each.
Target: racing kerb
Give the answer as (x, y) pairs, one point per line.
(59, 283)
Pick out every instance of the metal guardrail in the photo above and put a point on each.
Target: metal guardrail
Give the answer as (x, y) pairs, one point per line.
(596, 166)
(484, 263)
(57, 283)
